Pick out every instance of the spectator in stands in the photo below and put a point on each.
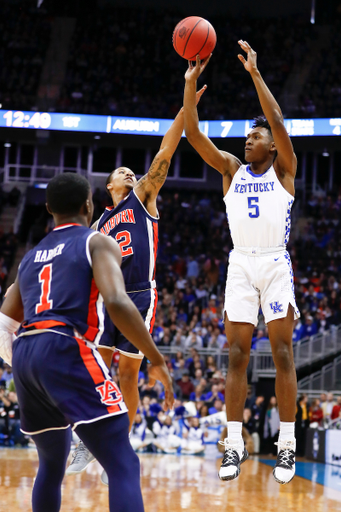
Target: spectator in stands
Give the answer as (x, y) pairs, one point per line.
(203, 411)
(336, 409)
(180, 370)
(213, 395)
(167, 439)
(309, 327)
(179, 340)
(298, 330)
(301, 424)
(192, 437)
(327, 408)
(257, 409)
(218, 406)
(271, 426)
(185, 385)
(139, 437)
(197, 395)
(7, 376)
(261, 340)
(193, 340)
(315, 414)
(198, 375)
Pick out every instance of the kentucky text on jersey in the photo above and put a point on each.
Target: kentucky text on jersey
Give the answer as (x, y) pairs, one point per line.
(49, 254)
(254, 187)
(126, 216)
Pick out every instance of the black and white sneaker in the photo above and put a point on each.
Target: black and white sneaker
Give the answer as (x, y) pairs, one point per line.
(284, 470)
(230, 466)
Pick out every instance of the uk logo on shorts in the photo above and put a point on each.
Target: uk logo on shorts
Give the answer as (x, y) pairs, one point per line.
(276, 308)
(110, 394)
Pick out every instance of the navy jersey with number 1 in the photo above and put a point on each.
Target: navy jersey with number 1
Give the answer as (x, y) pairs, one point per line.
(60, 377)
(57, 285)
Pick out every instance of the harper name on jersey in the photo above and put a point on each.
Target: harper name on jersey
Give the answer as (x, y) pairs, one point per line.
(57, 286)
(258, 209)
(136, 232)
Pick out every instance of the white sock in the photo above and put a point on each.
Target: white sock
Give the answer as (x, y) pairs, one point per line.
(287, 431)
(234, 430)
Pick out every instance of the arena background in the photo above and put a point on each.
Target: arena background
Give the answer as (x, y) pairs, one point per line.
(47, 58)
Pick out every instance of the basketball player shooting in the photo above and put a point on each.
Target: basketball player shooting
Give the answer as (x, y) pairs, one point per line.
(60, 378)
(258, 198)
(133, 222)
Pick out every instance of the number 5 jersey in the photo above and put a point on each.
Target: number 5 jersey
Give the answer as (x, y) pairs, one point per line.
(258, 209)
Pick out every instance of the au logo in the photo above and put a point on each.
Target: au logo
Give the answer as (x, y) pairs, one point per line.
(110, 394)
(276, 307)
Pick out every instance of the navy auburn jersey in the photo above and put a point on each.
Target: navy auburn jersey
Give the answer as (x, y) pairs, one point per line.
(136, 232)
(57, 286)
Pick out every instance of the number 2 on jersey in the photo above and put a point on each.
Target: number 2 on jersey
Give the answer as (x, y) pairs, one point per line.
(251, 205)
(45, 278)
(123, 239)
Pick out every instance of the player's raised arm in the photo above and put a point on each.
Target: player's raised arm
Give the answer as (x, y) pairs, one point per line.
(285, 162)
(106, 259)
(222, 161)
(148, 187)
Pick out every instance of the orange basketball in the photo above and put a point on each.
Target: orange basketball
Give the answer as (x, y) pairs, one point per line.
(194, 36)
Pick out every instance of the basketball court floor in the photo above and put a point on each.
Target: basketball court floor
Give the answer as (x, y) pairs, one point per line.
(175, 483)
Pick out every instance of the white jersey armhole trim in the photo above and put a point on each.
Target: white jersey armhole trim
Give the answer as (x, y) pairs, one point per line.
(235, 174)
(279, 181)
(143, 206)
(87, 249)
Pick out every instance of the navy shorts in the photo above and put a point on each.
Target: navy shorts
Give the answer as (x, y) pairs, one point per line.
(146, 302)
(61, 380)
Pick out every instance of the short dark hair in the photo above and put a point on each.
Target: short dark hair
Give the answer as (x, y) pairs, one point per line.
(67, 192)
(261, 122)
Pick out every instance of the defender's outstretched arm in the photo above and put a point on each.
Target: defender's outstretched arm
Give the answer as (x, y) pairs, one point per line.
(222, 161)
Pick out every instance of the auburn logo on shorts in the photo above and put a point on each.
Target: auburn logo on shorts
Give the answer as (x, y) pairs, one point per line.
(110, 394)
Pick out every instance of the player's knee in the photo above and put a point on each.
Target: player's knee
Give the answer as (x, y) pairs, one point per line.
(283, 357)
(238, 357)
(129, 377)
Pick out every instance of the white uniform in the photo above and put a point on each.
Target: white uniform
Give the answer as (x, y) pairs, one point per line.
(260, 273)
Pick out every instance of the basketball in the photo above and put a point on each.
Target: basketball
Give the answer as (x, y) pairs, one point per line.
(194, 36)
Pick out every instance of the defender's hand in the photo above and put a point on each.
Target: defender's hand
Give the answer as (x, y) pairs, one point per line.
(251, 63)
(200, 93)
(160, 372)
(193, 72)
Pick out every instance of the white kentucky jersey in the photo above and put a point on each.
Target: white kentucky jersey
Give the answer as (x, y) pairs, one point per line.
(258, 209)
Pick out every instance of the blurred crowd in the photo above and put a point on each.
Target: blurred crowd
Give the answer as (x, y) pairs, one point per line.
(122, 62)
(321, 95)
(24, 35)
(8, 240)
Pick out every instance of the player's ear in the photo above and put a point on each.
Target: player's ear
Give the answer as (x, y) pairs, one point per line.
(273, 147)
(48, 208)
(88, 206)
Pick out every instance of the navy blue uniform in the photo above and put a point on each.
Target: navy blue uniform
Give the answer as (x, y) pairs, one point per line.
(136, 232)
(60, 377)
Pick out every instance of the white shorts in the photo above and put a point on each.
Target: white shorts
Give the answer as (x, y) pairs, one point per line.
(264, 280)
